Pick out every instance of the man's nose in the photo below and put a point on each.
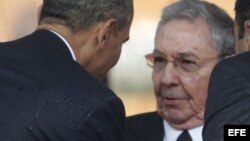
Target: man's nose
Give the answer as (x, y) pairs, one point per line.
(170, 75)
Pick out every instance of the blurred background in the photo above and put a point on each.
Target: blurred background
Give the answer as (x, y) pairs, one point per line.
(130, 79)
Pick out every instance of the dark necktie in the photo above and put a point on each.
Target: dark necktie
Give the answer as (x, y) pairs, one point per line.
(184, 136)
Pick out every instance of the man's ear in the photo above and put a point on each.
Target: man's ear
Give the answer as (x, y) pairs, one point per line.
(247, 33)
(106, 29)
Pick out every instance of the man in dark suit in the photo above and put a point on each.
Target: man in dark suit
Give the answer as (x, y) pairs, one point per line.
(50, 88)
(191, 38)
(229, 89)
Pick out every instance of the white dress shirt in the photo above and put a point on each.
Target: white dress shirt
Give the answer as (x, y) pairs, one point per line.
(171, 134)
(67, 44)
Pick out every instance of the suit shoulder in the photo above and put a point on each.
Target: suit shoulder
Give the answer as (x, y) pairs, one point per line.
(237, 59)
(238, 63)
(142, 118)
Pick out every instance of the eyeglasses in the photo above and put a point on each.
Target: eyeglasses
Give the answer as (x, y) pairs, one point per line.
(182, 64)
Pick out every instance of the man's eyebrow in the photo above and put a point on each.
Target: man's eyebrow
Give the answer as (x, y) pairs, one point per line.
(185, 55)
(181, 54)
(156, 51)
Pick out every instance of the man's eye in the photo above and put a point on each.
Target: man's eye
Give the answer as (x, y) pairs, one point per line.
(159, 60)
(186, 61)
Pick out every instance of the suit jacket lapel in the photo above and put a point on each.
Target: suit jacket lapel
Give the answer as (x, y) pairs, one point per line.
(156, 131)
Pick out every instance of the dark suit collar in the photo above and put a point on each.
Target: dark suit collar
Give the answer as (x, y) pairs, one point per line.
(156, 129)
(52, 40)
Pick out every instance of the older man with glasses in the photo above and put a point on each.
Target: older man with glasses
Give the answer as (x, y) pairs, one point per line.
(191, 38)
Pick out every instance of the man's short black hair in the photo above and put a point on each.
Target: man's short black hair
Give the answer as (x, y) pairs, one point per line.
(81, 14)
(242, 14)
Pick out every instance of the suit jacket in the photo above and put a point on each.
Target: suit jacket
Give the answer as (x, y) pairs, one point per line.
(144, 127)
(46, 96)
(228, 99)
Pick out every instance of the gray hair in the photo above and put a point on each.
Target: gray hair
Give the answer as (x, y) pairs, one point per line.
(82, 14)
(219, 22)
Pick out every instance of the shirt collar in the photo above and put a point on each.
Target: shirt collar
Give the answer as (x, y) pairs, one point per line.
(171, 134)
(67, 44)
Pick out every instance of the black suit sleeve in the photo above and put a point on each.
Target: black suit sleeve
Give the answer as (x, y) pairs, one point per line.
(106, 122)
(227, 102)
